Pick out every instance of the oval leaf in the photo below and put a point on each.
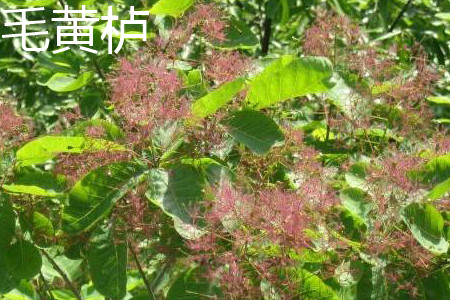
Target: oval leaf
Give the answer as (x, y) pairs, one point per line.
(42, 149)
(94, 195)
(213, 101)
(62, 82)
(255, 130)
(23, 260)
(107, 260)
(290, 77)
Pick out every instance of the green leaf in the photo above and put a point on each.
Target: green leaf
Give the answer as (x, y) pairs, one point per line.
(7, 281)
(176, 191)
(23, 260)
(355, 200)
(70, 267)
(372, 284)
(427, 226)
(444, 100)
(45, 148)
(444, 16)
(213, 101)
(238, 36)
(311, 286)
(31, 190)
(171, 8)
(25, 291)
(31, 3)
(179, 190)
(439, 190)
(285, 12)
(435, 171)
(437, 285)
(7, 221)
(63, 82)
(255, 130)
(63, 295)
(290, 77)
(36, 182)
(88, 292)
(194, 83)
(107, 260)
(444, 121)
(190, 286)
(43, 231)
(354, 225)
(95, 194)
(356, 175)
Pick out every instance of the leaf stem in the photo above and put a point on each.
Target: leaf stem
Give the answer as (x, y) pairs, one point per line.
(141, 271)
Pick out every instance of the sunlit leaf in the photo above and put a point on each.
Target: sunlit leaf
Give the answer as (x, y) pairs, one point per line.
(290, 77)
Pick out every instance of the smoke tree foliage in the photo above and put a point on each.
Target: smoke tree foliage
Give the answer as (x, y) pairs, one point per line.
(249, 150)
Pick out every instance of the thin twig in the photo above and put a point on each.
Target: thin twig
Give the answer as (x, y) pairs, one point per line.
(46, 287)
(63, 274)
(141, 271)
(400, 15)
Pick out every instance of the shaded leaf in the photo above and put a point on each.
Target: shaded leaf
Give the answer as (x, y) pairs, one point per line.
(238, 36)
(23, 260)
(255, 130)
(107, 260)
(36, 182)
(94, 195)
(7, 221)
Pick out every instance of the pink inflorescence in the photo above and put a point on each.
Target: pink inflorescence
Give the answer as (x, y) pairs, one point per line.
(394, 170)
(146, 95)
(222, 67)
(323, 34)
(11, 125)
(210, 20)
(74, 166)
(283, 217)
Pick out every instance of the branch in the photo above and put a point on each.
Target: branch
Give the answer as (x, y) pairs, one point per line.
(141, 271)
(46, 287)
(63, 275)
(400, 15)
(267, 32)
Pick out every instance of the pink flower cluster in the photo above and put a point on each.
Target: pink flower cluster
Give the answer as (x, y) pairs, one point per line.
(327, 30)
(225, 66)
(210, 21)
(394, 171)
(145, 93)
(74, 166)
(12, 126)
(206, 20)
